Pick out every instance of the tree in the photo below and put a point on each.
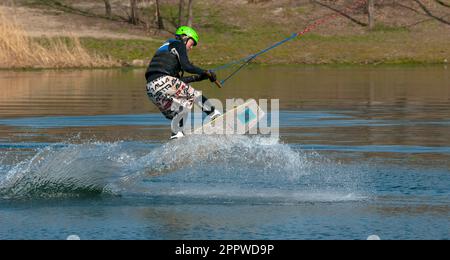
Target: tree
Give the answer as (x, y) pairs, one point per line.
(371, 11)
(134, 17)
(430, 14)
(108, 10)
(158, 17)
(180, 13)
(190, 13)
(343, 13)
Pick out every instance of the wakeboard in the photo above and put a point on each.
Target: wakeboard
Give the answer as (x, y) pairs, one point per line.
(241, 119)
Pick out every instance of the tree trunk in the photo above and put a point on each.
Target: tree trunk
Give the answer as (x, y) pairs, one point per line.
(190, 13)
(180, 13)
(371, 12)
(159, 19)
(108, 10)
(134, 17)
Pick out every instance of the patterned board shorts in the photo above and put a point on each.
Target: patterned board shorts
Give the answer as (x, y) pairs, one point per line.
(171, 95)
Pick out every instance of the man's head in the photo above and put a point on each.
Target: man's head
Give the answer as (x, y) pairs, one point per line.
(188, 35)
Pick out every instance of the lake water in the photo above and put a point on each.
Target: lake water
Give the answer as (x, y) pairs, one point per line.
(362, 151)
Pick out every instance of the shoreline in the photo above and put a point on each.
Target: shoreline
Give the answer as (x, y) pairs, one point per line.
(137, 54)
(206, 65)
(240, 30)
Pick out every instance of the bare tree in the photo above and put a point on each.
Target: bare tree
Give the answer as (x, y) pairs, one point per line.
(430, 14)
(158, 17)
(190, 13)
(344, 14)
(180, 13)
(134, 16)
(108, 10)
(371, 12)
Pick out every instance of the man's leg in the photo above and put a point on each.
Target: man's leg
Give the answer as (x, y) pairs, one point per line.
(182, 102)
(164, 94)
(177, 125)
(207, 108)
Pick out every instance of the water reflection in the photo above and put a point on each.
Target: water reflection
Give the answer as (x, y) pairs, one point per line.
(382, 134)
(410, 92)
(355, 106)
(79, 92)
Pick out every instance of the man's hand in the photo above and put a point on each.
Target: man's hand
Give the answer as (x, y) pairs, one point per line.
(211, 75)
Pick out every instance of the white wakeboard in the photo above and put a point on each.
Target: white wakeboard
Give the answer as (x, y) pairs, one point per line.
(241, 119)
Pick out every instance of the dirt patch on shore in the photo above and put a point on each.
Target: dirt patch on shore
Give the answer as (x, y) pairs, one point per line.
(38, 22)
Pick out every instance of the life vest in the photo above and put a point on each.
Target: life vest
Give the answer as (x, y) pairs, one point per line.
(165, 62)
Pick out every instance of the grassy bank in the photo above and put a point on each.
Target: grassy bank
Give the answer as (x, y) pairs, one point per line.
(380, 47)
(239, 30)
(231, 30)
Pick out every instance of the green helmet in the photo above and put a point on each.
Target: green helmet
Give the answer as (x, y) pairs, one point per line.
(188, 31)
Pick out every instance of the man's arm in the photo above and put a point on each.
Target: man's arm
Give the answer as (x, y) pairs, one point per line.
(194, 78)
(186, 65)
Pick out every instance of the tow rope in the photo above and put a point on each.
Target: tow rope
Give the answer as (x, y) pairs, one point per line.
(247, 60)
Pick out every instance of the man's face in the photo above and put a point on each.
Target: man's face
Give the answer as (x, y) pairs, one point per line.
(190, 44)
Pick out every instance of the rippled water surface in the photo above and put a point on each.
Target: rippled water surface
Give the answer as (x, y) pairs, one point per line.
(361, 151)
